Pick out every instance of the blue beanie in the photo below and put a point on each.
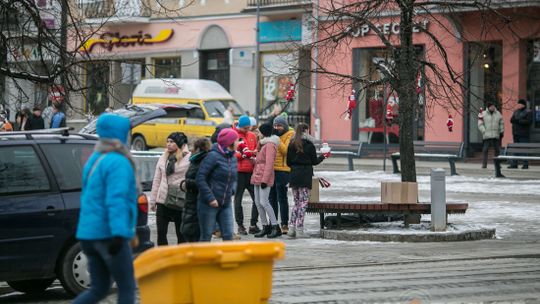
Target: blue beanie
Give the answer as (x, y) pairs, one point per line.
(244, 121)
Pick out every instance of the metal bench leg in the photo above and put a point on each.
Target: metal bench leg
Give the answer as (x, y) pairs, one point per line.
(339, 220)
(395, 165)
(497, 163)
(321, 219)
(351, 164)
(452, 167)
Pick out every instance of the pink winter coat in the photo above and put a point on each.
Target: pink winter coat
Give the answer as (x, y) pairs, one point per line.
(264, 163)
(161, 182)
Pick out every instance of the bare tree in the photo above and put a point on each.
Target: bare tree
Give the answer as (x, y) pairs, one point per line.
(403, 67)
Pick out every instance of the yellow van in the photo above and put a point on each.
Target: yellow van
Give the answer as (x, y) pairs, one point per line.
(208, 96)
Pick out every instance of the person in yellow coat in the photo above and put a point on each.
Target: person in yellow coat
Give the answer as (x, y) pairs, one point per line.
(278, 193)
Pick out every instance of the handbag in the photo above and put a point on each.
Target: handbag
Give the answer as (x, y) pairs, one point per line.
(176, 198)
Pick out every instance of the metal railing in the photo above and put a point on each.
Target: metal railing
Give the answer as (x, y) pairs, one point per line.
(263, 3)
(114, 8)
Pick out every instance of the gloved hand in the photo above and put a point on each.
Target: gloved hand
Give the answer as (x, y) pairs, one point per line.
(327, 155)
(263, 186)
(115, 245)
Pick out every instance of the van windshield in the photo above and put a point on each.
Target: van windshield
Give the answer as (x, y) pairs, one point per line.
(216, 108)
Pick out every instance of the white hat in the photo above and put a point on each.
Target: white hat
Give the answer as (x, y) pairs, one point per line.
(252, 121)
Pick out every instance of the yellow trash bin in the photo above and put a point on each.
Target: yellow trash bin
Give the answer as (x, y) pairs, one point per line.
(208, 273)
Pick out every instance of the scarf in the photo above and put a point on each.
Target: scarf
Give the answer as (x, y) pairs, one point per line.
(114, 145)
(171, 161)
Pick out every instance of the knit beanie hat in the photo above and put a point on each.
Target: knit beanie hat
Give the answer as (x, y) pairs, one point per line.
(227, 137)
(253, 121)
(244, 121)
(523, 102)
(179, 138)
(282, 121)
(266, 129)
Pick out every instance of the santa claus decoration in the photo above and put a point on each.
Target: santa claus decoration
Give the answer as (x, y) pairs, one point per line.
(450, 123)
(244, 150)
(290, 93)
(351, 105)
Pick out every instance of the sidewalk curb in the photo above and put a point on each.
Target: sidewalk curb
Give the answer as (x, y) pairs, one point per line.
(358, 235)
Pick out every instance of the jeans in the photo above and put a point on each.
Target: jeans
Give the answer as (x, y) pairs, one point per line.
(520, 139)
(495, 142)
(265, 209)
(278, 196)
(101, 266)
(243, 183)
(165, 215)
(208, 216)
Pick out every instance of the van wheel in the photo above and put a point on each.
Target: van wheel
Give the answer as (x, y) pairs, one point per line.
(73, 272)
(138, 143)
(31, 286)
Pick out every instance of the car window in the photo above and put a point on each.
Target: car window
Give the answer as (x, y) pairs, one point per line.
(216, 108)
(67, 162)
(21, 171)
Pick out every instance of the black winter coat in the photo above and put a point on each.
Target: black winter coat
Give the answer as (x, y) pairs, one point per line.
(36, 123)
(521, 121)
(190, 220)
(301, 164)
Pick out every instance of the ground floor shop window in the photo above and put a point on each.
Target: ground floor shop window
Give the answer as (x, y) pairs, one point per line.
(533, 86)
(167, 67)
(278, 72)
(485, 83)
(379, 105)
(97, 84)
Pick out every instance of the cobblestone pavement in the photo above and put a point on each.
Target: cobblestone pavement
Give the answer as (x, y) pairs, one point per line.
(504, 269)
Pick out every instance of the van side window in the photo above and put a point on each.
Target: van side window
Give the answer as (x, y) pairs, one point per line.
(21, 171)
(67, 162)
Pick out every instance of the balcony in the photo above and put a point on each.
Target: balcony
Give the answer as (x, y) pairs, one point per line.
(115, 11)
(273, 7)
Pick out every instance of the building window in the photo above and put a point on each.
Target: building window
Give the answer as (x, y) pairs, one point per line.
(533, 85)
(278, 70)
(215, 66)
(168, 67)
(97, 83)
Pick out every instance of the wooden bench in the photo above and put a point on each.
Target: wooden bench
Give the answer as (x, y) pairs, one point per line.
(377, 208)
(349, 149)
(451, 151)
(517, 151)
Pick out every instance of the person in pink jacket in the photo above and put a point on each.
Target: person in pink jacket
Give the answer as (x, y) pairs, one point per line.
(170, 172)
(263, 180)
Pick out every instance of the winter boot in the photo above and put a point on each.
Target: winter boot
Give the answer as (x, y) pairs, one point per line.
(265, 231)
(276, 231)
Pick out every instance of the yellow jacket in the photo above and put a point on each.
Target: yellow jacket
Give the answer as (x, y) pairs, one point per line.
(280, 163)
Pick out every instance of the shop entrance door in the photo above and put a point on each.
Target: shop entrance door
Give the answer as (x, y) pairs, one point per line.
(533, 86)
(215, 66)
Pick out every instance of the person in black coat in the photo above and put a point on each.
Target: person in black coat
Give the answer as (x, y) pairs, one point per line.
(36, 121)
(521, 123)
(301, 157)
(190, 220)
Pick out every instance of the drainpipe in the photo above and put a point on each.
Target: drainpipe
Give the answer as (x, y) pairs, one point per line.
(317, 122)
(257, 67)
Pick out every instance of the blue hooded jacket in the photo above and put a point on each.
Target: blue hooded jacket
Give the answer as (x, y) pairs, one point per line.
(109, 195)
(217, 176)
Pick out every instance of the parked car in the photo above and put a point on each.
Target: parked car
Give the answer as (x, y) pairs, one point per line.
(40, 185)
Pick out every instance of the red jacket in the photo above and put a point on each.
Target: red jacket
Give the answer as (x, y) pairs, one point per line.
(245, 165)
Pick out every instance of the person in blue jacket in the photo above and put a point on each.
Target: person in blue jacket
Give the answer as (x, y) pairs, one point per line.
(108, 213)
(216, 181)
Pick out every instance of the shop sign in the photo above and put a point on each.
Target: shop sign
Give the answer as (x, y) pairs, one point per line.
(280, 31)
(386, 28)
(241, 58)
(108, 40)
(30, 53)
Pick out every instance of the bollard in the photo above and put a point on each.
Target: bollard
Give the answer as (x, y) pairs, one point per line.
(438, 200)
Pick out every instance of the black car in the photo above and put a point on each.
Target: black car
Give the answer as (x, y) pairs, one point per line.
(40, 185)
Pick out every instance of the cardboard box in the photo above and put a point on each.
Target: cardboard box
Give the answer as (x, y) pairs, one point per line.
(399, 193)
(314, 194)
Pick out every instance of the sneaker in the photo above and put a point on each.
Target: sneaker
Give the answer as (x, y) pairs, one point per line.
(254, 229)
(292, 233)
(242, 230)
(236, 237)
(217, 234)
(284, 229)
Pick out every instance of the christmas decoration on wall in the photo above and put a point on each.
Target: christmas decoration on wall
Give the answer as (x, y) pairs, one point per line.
(450, 123)
(481, 114)
(351, 105)
(290, 93)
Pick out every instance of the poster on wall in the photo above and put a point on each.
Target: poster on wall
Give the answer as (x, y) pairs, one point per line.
(278, 71)
(536, 49)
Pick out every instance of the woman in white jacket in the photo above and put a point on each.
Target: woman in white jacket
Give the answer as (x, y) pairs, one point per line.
(170, 172)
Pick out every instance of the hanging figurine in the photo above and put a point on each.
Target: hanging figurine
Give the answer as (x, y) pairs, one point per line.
(481, 114)
(290, 93)
(351, 104)
(450, 123)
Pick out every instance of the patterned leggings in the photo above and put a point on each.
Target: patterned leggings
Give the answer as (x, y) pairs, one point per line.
(301, 199)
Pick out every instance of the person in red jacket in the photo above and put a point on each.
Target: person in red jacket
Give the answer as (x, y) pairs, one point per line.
(247, 149)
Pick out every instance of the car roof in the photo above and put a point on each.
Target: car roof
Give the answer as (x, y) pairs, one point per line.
(45, 134)
(181, 88)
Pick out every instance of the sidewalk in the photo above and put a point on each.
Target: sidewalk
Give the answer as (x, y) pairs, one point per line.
(424, 167)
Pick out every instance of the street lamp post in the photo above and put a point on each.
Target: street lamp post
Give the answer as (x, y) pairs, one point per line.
(257, 68)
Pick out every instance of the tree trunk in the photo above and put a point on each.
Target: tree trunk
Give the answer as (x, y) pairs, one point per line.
(407, 66)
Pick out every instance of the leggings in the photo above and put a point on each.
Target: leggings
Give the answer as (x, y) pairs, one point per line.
(263, 205)
(301, 199)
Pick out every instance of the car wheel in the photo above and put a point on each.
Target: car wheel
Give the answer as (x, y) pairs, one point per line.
(73, 273)
(138, 143)
(31, 286)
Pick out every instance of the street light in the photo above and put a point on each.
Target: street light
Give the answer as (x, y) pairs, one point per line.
(257, 68)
